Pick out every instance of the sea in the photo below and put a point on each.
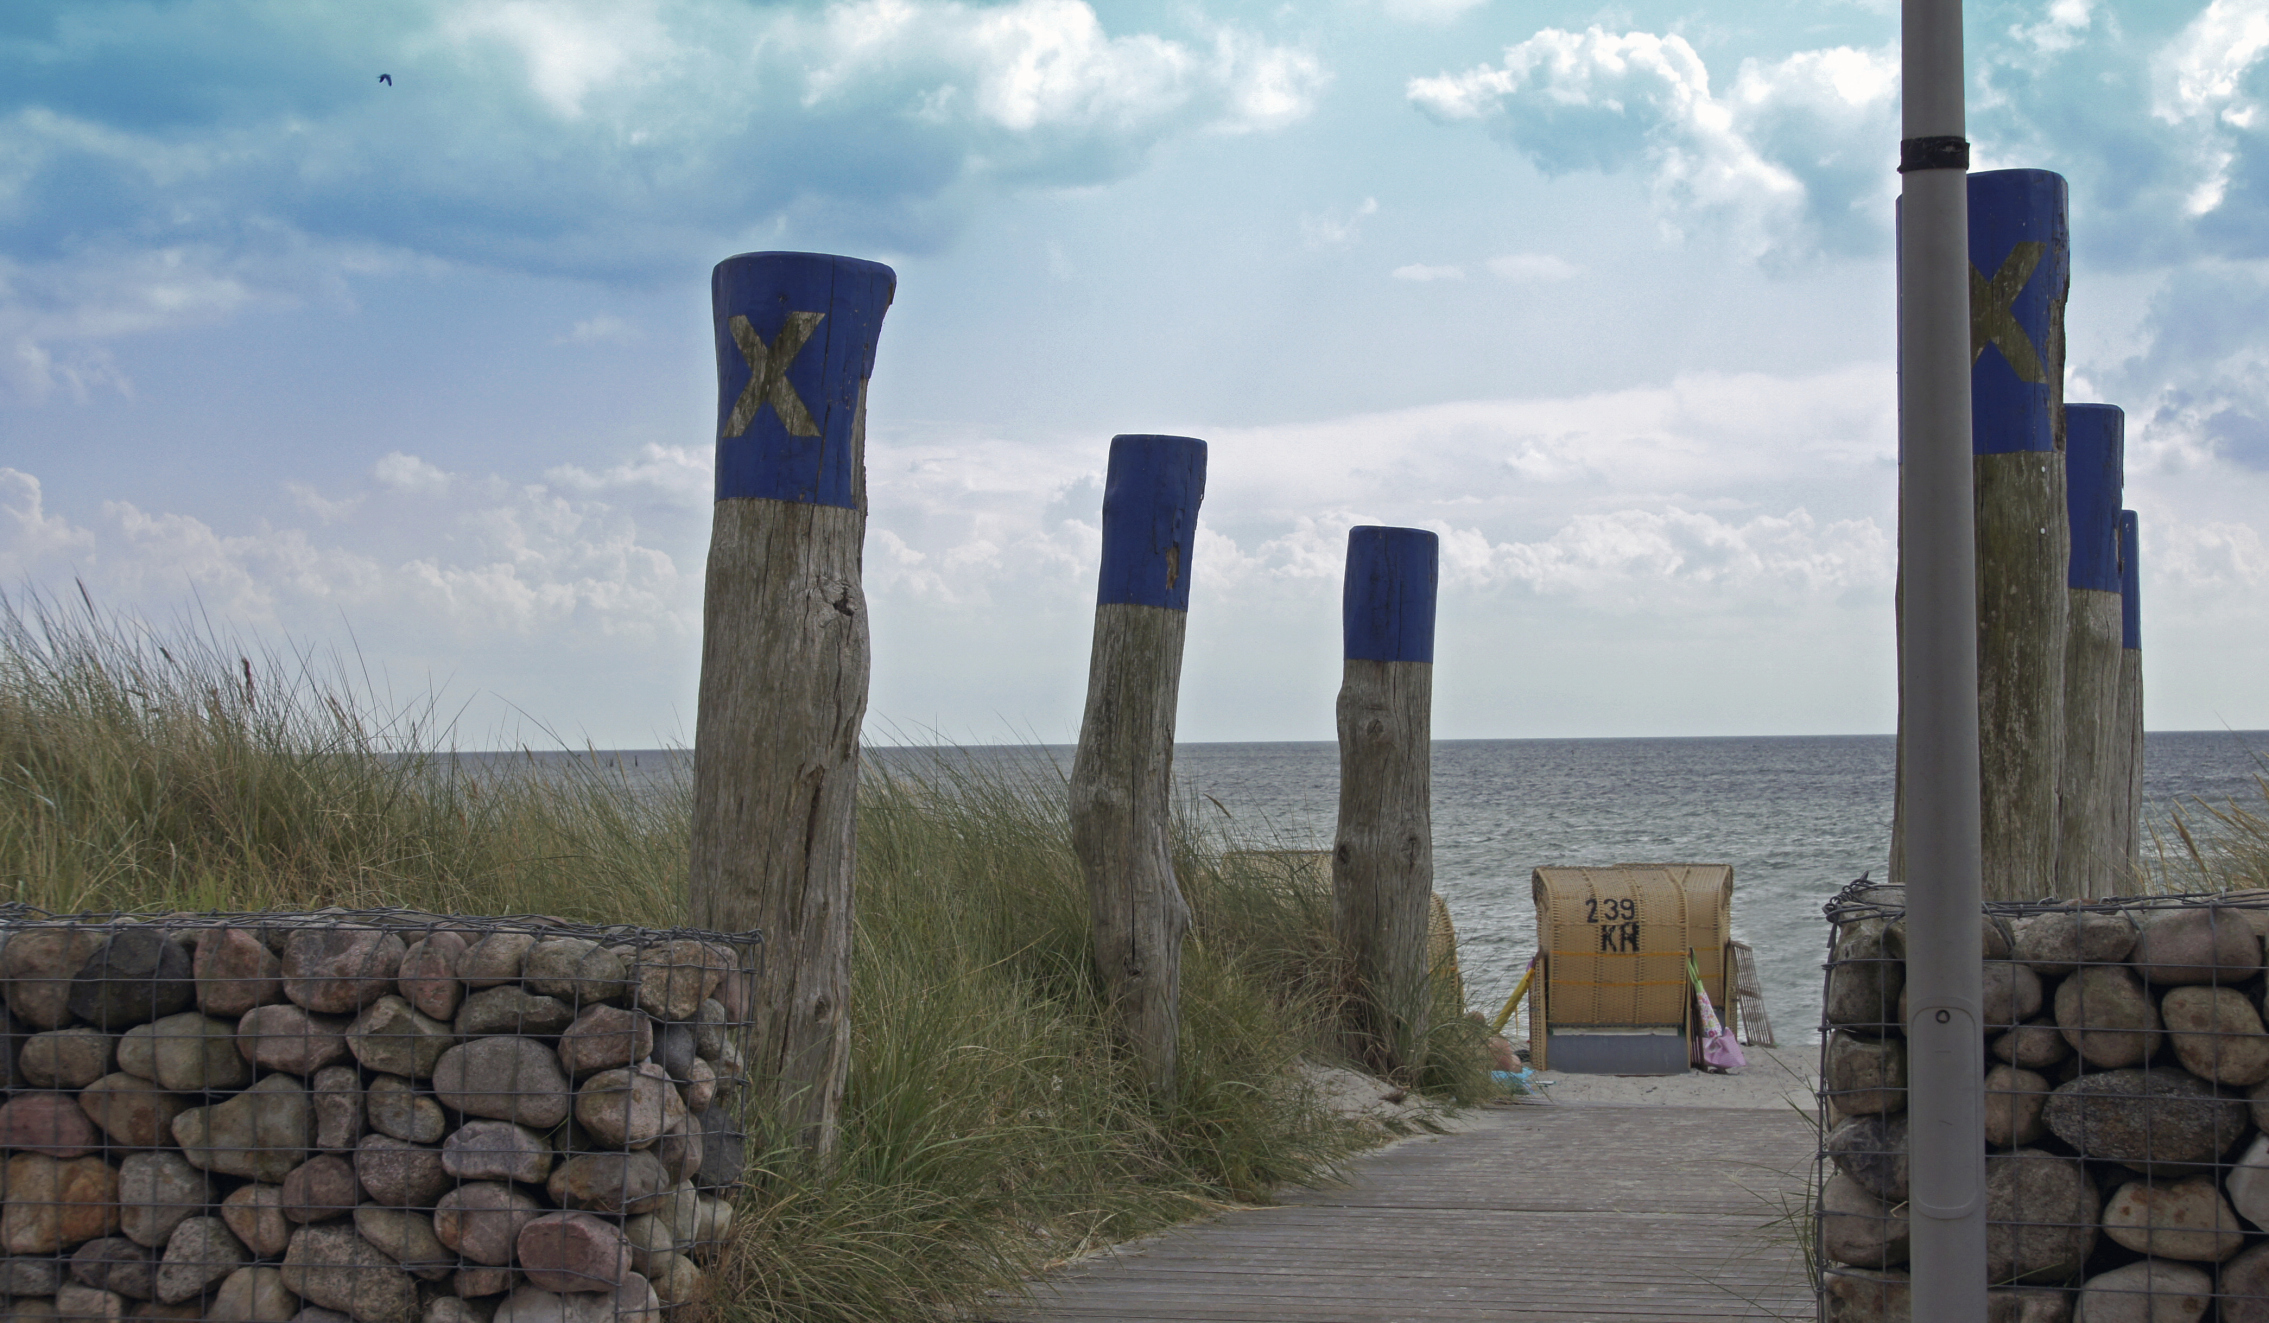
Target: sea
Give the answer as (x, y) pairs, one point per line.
(1797, 817)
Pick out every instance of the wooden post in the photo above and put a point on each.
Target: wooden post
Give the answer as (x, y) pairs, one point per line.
(1122, 777)
(1382, 865)
(2019, 263)
(2019, 254)
(784, 657)
(2131, 688)
(2091, 851)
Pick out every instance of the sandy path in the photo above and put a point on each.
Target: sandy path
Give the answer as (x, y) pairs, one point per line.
(1776, 1077)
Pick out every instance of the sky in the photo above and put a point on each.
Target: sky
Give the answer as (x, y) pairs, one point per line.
(419, 373)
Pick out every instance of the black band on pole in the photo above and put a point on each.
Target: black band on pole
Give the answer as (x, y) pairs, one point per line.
(1945, 153)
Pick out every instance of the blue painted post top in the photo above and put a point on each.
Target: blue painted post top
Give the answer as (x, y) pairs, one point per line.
(2020, 266)
(796, 335)
(2095, 450)
(2130, 585)
(1150, 520)
(1386, 608)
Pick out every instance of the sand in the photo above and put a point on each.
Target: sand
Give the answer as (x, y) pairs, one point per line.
(1775, 1077)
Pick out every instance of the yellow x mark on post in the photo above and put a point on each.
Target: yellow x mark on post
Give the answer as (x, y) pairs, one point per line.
(1993, 317)
(768, 374)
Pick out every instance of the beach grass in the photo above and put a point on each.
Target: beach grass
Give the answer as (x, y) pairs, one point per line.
(2214, 847)
(990, 1128)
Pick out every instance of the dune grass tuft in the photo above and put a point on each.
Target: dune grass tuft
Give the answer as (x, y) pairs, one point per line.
(990, 1128)
(2219, 847)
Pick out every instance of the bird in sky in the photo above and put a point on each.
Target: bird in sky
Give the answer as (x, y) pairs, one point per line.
(387, 79)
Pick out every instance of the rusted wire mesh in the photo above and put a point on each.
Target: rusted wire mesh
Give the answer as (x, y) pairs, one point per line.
(2126, 1109)
(381, 1115)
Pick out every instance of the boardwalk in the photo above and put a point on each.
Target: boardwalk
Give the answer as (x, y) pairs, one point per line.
(1564, 1212)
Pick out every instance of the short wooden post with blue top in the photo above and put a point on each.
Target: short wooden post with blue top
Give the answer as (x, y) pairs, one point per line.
(2131, 685)
(2091, 850)
(1122, 777)
(784, 658)
(1382, 864)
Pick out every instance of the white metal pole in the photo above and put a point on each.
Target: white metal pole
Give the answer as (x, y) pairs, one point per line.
(1938, 562)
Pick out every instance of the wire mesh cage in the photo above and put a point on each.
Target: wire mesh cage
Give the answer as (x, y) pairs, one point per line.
(381, 1115)
(2126, 1109)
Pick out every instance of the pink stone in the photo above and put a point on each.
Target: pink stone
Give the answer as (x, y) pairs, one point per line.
(54, 1205)
(134, 1112)
(573, 1252)
(494, 960)
(235, 972)
(630, 1107)
(496, 1151)
(504, 1079)
(49, 1123)
(482, 1220)
(399, 1174)
(320, 1189)
(428, 977)
(337, 970)
(256, 1214)
(674, 978)
(604, 1037)
(472, 1283)
(287, 1038)
(39, 964)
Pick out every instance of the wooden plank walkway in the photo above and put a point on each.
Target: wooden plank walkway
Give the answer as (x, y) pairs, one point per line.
(1578, 1211)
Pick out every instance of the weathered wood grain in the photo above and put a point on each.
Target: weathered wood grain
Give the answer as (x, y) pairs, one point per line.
(784, 659)
(2091, 851)
(2020, 273)
(2022, 628)
(2130, 774)
(1122, 777)
(1383, 856)
(1540, 1212)
(2131, 684)
(776, 771)
(1121, 809)
(1382, 866)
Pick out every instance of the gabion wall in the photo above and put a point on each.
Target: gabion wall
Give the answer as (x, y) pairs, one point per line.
(2126, 1110)
(384, 1116)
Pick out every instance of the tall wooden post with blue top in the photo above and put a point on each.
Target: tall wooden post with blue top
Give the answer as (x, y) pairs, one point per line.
(1382, 863)
(1122, 777)
(2019, 271)
(784, 658)
(2131, 684)
(2091, 850)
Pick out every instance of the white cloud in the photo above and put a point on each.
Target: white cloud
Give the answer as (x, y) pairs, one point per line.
(1037, 62)
(1788, 157)
(681, 476)
(1337, 229)
(1431, 11)
(2199, 83)
(591, 139)
(2213, 560)
(603, 328)
(408, 473)
(1533, 268)
(29, 535)
(568, 50)
(555, 596)
(2059, 28)
(1657, 485)
(1422, 273)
